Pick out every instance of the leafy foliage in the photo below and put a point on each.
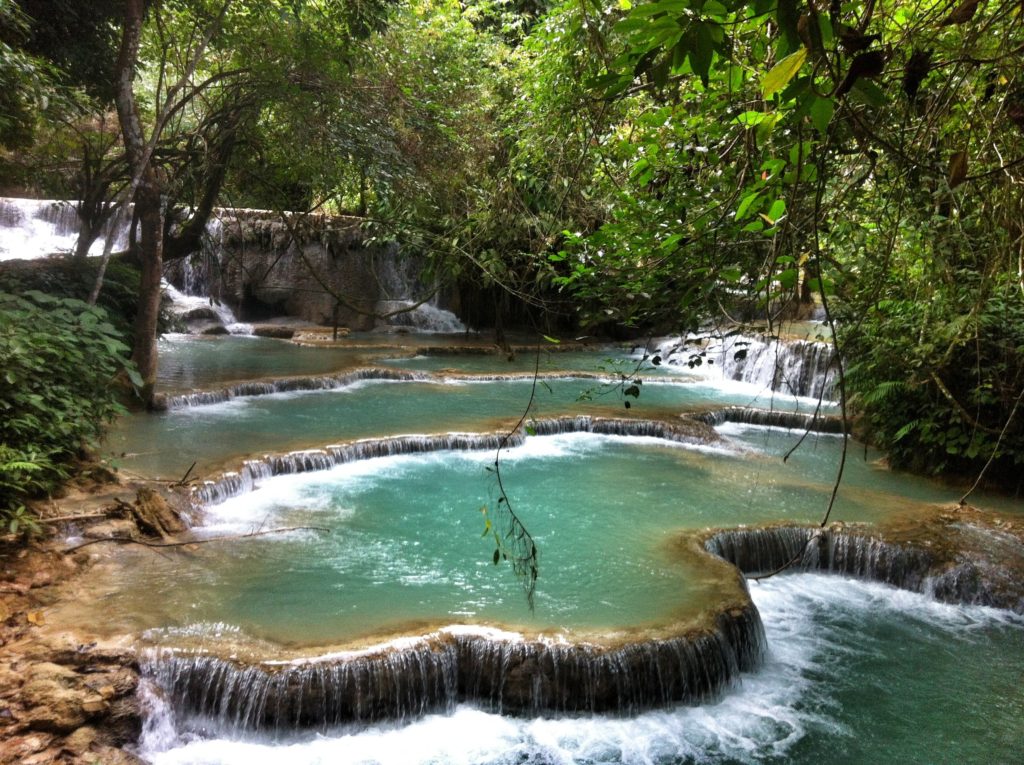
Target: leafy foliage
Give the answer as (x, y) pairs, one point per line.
(62, 361)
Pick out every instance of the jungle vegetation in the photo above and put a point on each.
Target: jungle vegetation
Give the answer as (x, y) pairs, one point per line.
(624, 166)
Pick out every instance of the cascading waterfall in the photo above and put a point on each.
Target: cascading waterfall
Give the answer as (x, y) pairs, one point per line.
(286, 385)
(499, 672)
(401, 286)
(857, 553)
(794, 367)
(235, 483)
(31, 228)
(34, 228)
(186, 306)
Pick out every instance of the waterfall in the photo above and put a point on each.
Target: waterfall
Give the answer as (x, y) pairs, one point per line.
(235, 483)
(401, 286)
(35, 228)
(285, 385)
(494, 671)
(794, 367)
(815, 423)
(759, 551)
(855, 552)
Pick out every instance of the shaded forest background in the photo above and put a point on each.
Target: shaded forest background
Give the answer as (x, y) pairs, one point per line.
(610, 167)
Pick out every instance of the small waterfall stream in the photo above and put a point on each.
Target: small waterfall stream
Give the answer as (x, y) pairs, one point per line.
(402, 286)
(31, 229)
(794, 367)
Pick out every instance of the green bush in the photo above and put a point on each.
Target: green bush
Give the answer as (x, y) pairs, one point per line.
(935, 381)
(60, 364)
(70, 278)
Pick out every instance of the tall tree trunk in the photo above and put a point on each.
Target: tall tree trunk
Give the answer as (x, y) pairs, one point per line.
(147, 190)
(151, 247)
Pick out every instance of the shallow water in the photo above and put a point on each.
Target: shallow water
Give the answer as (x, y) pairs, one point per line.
(188, 362)
(405, 545)
(220, 434)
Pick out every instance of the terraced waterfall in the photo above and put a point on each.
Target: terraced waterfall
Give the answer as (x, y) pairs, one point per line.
(393, 636)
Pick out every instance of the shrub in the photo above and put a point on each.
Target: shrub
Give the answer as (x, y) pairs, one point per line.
(61, 362)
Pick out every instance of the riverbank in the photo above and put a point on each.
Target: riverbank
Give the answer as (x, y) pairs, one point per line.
(64, 698)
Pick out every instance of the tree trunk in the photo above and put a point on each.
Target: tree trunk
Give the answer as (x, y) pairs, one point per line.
(151, 240)
(146, 189)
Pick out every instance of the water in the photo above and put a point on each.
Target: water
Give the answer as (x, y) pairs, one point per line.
(220, 434)
(405, 544)
(188, 362)
(795, 367)
(858, 673)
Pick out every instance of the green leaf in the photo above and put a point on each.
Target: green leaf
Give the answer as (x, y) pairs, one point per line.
(821, 112)
(787, 278)
(745, 205)
(497, 556)
(702, 53)
(783, 72)
(750, 119)
(869, 93)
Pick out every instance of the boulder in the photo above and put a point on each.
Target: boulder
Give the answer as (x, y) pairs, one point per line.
(120, 528)
(202, 313)
(17, 749)
(81, 740)
(54, 697)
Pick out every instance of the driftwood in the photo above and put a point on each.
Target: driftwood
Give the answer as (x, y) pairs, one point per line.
(186, 543)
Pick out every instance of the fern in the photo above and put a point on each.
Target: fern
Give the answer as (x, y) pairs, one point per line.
(882, 391)
(908, 428)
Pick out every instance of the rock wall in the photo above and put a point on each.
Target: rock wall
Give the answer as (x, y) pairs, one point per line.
(264, 265)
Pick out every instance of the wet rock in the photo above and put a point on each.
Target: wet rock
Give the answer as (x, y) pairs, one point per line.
(81, 740)
(117, 528)
(51, 755)
(108, 756)
(17, 749)
(5, 608)
(201, 313)
(9, 679)
(217, 329)
(274, 330)
(123, 722)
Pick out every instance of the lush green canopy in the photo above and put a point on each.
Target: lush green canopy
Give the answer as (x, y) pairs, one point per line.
(620, 166)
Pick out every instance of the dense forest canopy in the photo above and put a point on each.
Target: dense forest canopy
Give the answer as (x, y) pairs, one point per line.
(644, 167)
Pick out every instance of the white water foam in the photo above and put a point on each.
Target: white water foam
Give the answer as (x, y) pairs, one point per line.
(274, 497)
(35, 228)
(777, 370)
